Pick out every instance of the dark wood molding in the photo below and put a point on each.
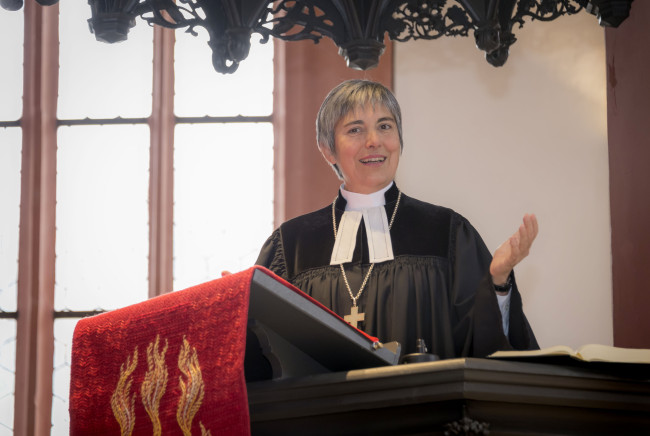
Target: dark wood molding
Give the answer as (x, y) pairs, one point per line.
(426, 398)
(628, 112)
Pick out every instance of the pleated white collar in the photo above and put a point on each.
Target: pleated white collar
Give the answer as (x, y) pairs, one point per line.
(370, 207)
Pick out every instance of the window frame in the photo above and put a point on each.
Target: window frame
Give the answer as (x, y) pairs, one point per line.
(35, 313)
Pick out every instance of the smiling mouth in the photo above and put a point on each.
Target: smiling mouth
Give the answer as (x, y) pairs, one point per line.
(373, 160)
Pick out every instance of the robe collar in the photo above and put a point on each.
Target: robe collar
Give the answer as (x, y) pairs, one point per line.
(357, 201)
(390, 197)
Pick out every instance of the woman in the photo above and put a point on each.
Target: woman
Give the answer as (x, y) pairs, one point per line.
(396, 267)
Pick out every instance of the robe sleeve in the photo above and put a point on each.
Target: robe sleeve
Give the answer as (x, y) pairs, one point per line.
(520, 335)
(475, 314)
(272, 255)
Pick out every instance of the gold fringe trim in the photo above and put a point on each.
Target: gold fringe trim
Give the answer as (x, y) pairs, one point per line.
(155, 383)
(192, 389)
(122, 402)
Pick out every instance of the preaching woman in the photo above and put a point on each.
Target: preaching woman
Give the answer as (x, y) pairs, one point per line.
(398, 268)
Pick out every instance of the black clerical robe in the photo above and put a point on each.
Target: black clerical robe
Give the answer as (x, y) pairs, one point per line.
(437, 288)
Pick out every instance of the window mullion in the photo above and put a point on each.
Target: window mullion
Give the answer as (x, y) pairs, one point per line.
(35, 339)
(161, 169)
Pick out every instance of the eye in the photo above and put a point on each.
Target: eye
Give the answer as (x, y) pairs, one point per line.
(353, 130)
(385, 126)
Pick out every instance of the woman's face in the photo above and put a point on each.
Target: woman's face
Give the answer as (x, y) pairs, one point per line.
(367, 148)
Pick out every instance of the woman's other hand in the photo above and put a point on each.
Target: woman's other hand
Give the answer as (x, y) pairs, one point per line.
(513, 250)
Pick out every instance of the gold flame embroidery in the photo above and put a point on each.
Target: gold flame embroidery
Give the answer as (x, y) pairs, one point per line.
(122, 402)
(155, 383)
(192, 389)
(204, 432)
(154, 386)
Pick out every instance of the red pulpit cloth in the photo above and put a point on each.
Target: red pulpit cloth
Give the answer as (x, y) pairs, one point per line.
(171, 365)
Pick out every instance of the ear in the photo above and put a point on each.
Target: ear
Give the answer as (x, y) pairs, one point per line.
(327, 154)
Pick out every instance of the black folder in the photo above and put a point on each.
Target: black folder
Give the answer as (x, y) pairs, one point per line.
(289, 335)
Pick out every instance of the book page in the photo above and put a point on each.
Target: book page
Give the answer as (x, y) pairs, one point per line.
(587, 353)
(557, 350)
(605, 353)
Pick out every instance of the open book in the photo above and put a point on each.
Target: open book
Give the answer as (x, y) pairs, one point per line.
(586, 353)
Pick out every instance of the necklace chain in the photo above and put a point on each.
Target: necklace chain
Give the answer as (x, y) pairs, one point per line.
(372, 265)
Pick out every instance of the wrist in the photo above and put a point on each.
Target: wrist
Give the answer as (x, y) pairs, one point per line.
(502, 288)
(501, 280)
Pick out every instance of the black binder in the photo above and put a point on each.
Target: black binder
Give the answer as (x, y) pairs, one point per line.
(289, 335)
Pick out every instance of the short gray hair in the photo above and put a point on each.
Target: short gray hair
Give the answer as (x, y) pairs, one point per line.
(347, 97)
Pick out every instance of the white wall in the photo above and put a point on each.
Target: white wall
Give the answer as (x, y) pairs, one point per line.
(495, 143)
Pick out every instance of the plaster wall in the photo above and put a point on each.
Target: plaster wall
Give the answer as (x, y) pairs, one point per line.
(531, 136)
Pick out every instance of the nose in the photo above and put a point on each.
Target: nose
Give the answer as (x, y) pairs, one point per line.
(372, 139)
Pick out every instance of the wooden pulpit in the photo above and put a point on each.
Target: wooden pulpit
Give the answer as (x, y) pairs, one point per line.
(250, 353)
(458, 397)
(178, 363)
